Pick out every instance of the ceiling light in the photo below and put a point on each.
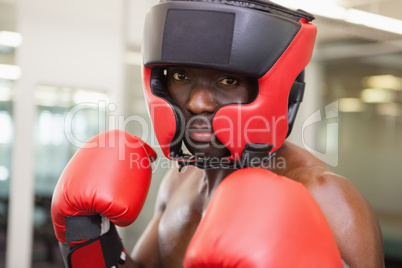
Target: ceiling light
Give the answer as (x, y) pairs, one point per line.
(374, 21)
(377, 95)
(354, 16)
(386, 81)
(9, 72)
(10, 39)
(351, 105)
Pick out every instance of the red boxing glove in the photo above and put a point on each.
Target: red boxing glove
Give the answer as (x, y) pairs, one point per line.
(107, 179)
(259, 219)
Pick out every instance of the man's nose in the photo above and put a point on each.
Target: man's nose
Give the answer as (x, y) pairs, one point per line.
(201, 100)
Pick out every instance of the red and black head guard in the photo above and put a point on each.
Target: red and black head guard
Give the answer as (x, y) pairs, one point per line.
(256, 38)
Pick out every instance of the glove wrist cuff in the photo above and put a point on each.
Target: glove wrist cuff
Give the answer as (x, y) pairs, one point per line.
(100, 244)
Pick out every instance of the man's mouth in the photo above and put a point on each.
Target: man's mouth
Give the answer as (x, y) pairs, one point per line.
(200, 133)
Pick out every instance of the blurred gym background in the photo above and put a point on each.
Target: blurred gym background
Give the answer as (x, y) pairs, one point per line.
(70, 69)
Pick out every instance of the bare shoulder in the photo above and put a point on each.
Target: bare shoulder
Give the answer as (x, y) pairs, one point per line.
(348, 213)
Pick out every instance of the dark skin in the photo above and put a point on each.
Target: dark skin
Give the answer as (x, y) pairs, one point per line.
(184, 196)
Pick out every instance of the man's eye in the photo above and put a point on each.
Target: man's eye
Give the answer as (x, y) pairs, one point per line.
(228, 81)
(179, 76)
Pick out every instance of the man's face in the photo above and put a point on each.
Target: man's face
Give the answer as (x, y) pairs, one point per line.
(200, 93)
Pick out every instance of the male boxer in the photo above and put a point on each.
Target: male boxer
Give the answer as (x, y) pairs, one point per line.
(226, 78)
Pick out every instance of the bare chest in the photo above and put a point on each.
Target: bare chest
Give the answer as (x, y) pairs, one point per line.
(180, 219)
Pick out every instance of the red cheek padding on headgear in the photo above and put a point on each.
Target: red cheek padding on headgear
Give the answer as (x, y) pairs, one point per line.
(162, 115)
(265, 120)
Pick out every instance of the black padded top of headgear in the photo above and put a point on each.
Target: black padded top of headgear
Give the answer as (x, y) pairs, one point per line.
(247, 40)
(262, 5)
(205, 42)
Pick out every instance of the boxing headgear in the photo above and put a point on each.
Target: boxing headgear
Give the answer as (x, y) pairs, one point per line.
(256, 38)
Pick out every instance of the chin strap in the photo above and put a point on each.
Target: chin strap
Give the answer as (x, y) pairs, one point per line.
(254, 154)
